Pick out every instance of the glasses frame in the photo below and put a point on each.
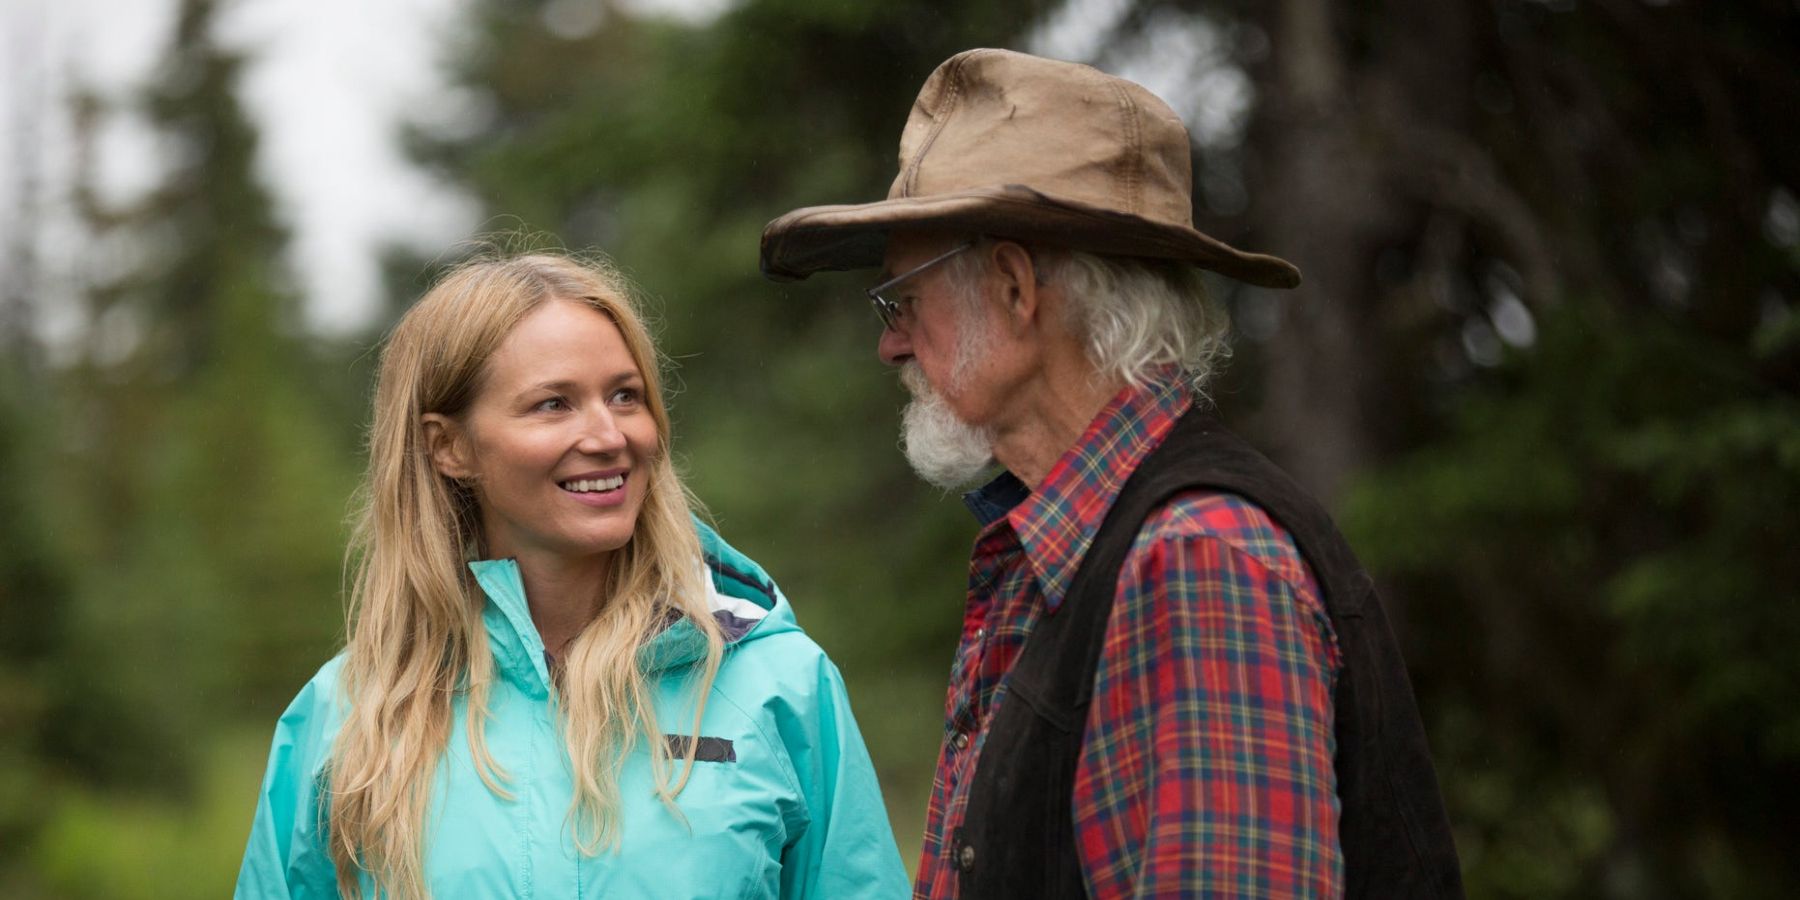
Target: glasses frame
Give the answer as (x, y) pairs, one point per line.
(887, 309)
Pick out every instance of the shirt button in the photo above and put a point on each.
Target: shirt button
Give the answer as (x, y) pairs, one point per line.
(965, 860)
(961, 741)
(980, 633)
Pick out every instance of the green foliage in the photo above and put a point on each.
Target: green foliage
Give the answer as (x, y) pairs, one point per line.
(33, 620)
(211, 549)
(1611, 524)
(172, 516)
(106, 846)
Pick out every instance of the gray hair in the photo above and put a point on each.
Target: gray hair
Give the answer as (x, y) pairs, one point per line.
(1135, 315)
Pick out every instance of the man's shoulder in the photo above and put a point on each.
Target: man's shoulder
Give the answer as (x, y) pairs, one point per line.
(1205, 514)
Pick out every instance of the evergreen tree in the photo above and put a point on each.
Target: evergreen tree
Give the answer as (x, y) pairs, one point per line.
(33, 593)
(207, 487)
(34, 603)
(1547, 354)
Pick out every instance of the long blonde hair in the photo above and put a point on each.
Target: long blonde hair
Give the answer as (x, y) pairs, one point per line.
(416, 639)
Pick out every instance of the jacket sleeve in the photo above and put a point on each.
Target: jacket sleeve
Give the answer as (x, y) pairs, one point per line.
(286, 856)
(846, 848)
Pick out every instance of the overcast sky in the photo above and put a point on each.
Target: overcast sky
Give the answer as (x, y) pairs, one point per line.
(328, 84)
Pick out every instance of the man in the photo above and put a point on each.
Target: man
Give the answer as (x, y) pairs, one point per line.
(1173, 677)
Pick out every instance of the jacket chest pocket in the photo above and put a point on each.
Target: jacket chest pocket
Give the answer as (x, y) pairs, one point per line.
(725, 834)
(708, 749)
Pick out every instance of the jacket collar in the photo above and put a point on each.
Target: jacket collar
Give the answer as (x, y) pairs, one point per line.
(512, 637)
(739, 594)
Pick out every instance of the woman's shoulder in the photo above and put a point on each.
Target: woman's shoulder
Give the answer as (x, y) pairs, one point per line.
(770, 659)
(326, 683)
(757, 619)
(779, 643)
(317, 710)
(782, 673)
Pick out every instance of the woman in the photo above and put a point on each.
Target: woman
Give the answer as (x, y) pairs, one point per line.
(609, 701)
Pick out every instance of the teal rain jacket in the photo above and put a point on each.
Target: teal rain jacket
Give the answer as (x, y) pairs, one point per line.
(784, 804)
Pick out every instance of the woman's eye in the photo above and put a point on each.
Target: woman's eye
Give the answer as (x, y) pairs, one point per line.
(553, 404)
(625, 397)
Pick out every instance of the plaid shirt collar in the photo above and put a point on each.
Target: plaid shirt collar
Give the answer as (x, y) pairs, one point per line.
(1058, 521)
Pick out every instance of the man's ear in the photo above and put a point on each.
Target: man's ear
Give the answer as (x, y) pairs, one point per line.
(1020, 289)
(449, 449)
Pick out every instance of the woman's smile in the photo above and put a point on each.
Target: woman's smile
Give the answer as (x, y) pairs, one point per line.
(597, 488)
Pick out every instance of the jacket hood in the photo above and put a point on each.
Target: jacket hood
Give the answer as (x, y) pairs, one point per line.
(743, 599)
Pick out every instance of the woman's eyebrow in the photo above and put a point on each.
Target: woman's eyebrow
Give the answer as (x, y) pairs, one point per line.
(566, 385)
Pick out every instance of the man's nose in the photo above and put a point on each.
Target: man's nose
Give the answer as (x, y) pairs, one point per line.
(895, 346)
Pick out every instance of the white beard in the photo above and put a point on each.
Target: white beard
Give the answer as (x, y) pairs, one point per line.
(945, 451)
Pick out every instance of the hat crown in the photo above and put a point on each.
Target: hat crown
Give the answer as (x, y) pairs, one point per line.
(990, 118)
(1040, 151)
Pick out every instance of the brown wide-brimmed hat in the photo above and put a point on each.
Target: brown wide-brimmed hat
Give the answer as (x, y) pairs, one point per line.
(1012, 145)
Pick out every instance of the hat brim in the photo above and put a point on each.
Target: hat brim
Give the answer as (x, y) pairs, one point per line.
(836, 238)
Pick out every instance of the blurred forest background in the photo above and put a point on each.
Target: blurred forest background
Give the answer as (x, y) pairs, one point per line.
(1545, 368)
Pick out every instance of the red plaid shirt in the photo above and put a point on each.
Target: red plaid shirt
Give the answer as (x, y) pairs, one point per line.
(1207, 764)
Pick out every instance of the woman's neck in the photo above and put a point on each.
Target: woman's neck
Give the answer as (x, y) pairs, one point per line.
(563, 595)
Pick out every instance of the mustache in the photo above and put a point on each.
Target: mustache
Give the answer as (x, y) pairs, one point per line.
(943, 449)
(912, 376)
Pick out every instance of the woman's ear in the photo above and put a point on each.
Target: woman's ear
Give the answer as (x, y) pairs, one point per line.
(449, 450)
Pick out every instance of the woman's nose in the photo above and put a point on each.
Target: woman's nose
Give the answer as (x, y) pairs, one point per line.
(600, 434)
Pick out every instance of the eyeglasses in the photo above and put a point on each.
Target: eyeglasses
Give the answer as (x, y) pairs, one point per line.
(889, 308)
